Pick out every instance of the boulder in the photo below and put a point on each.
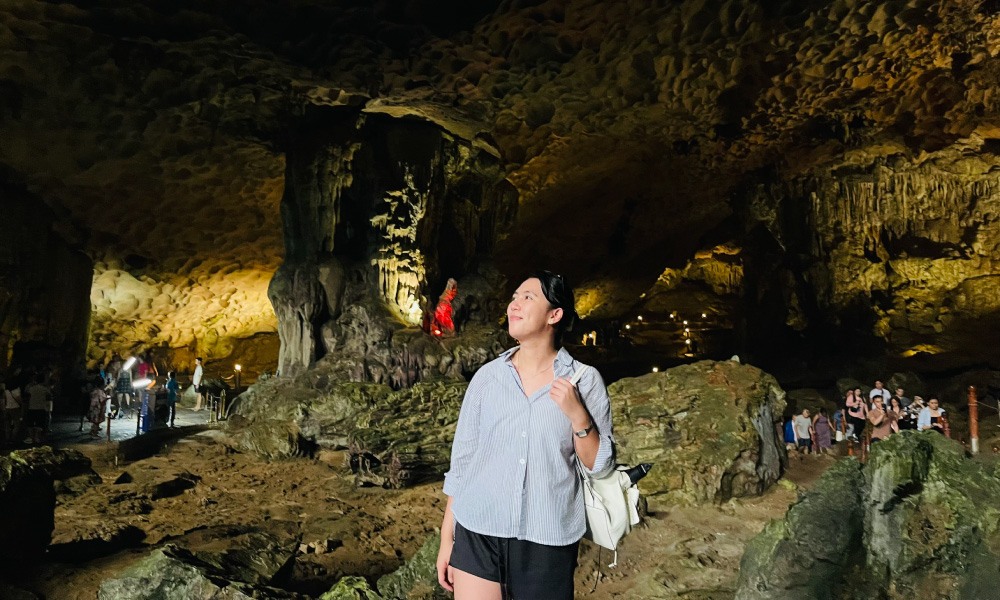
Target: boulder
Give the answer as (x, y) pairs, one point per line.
(172, 573)
(918, 521)
(417, 579)
(70, 470)
(351, 588)
(804, 554)
(711, 429)
(405, 437)
(27, 507)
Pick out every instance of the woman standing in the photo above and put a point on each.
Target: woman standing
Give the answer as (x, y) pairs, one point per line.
(515, 511)
(823, 430)
(856, 412)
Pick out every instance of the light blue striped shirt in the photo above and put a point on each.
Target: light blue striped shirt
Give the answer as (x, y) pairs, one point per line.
(512, 473)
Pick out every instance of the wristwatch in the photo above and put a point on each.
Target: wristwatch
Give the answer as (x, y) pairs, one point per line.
(584, 432)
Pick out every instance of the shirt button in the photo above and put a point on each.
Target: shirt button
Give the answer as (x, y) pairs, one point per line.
(522, 461)
(524, 434)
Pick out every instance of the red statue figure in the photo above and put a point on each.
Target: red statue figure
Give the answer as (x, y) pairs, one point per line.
(442, 323)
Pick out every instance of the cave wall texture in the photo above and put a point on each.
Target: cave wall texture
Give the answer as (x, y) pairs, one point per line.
(842, 150)
(44, 287)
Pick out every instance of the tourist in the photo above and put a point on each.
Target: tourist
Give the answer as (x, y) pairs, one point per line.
(803, 432)
(856, 413)
(899, 413)
(883, 421)
(931, 417)
(838, 423)
(11, 405)
(97, 411)
(789, 435)
(172, 388)
(521, 428)
(123, 391)
(912, 413)
(196, 380)
(39, 410)
(903, 400)
(823, 430)
(880, 391)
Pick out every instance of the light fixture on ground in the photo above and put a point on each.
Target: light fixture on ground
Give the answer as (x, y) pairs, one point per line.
(239, 371)
(703, 315)
(685, 322)
(656, 369)
(639, 317)
(688, 342)
(628, 326)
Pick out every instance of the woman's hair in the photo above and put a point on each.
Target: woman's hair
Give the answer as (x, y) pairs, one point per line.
(896, 400)
(850, 395)
(822, 411)
(559, 295)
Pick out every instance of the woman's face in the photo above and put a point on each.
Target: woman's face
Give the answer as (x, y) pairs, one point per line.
(933, 403)
(894, 404)
(529, 313)
(857, 393)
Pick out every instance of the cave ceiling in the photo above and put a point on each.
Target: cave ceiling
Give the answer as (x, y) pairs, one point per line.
(154, 129)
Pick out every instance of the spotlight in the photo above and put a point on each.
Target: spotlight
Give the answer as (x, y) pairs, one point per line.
(141, 383)
(688, 342)
(656, 369)
(129, 363)
(686, 330)
(640, 317)
(628, 327)
(238, 367)
(703, 315)
(685, 322)
(673, 315)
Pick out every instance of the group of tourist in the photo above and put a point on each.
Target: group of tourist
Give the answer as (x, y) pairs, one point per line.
(27, 398)
(882, 412)
(27, 409)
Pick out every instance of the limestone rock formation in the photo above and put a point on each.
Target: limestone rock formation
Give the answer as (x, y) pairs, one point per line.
(809, 553)
(417, 579)
(709, 428)
(925, 515)
(172, 573)
(374, 211)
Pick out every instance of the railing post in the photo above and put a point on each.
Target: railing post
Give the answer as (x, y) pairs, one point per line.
(973, 420)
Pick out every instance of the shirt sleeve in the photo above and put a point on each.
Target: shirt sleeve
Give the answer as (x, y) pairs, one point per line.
(598, 403)
(463, 448)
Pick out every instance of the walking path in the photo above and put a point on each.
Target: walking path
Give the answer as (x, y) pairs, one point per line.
(66, 429)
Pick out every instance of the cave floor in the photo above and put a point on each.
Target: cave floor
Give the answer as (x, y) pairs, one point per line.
(686, 552)
(68, 431)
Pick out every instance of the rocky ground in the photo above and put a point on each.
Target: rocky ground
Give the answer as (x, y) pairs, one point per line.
(202, 495)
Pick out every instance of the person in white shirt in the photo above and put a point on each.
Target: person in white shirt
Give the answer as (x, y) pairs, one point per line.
(196, 380)
(878, 390)
(10, 409)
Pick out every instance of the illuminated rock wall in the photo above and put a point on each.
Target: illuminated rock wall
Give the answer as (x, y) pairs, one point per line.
(880, 245)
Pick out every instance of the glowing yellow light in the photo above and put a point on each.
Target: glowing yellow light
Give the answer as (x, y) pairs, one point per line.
(685, 322)
(703, 315)
(687, 341)
(628, 327)
(686, 330)
(585, 339)
(238, 367)
(673, 315)
(640, 317)
(656, 369)
(593, 334)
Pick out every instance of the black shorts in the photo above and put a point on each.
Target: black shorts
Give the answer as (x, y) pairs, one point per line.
(531, 571)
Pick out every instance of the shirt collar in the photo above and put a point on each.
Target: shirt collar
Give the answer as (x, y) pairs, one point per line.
(563, 362)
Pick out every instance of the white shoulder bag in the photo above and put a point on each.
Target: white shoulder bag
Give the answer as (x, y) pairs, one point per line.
(611, 502)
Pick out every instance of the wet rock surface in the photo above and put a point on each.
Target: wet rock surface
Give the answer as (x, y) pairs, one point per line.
(923, 526)
(709, 428)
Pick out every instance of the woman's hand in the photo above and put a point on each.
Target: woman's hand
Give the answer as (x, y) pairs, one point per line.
(446, 573)
(564, 394)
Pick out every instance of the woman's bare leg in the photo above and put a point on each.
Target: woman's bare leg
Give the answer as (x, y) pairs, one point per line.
(470, 587)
